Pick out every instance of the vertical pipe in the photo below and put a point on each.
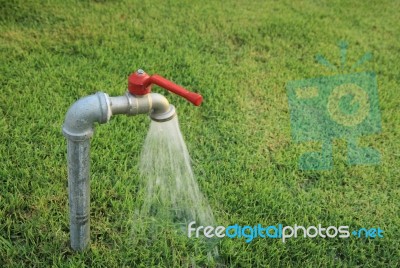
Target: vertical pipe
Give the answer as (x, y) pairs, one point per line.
(79, 192)
(78, 128)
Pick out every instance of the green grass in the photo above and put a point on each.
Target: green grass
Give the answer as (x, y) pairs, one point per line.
(239, 56)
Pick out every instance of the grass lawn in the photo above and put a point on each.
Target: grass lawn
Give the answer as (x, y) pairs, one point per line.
(239, 55)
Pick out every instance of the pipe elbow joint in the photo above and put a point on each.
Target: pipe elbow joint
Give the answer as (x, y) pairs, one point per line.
(81, 116)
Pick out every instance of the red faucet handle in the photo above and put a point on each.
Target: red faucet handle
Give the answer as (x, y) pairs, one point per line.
(194, 98)
(139, 83)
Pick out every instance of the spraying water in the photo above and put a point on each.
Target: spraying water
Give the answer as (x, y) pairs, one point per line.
(169, 192)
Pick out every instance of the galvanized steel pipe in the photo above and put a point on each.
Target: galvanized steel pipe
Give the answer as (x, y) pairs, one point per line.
(78, 128)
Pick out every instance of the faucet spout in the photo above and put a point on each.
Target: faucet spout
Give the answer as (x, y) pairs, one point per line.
(161, 109)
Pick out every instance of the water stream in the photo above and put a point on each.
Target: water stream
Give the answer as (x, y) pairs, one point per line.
(169, 194)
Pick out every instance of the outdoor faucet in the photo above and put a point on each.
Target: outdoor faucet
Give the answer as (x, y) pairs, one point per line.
(78, 128)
